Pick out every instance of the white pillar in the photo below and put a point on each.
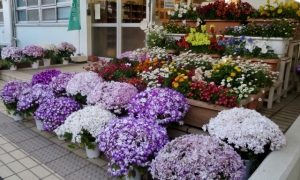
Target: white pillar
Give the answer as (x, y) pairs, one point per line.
(7, 17)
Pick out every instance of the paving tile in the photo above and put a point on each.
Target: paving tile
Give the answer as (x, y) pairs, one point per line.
(80, 152)
(28, 162)
(92, 172)
(28, 123)
(49, 153)
(56, 140)
(98, 161)
(17, 154)
(51, 177)
(46, 167)
(5, 172)
(21, 135)
(46, 134)
(14, 177)
(2, 151)
(6, 158)
(28, 175)
(16, 166)
(57, 175)
(40, 171)
(34, 144)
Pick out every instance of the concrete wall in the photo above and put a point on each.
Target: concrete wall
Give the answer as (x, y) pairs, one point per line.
(283, 164)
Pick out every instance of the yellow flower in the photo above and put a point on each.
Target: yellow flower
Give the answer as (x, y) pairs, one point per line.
(214, 66)
(298, 12)
(228, 78)
(175, 70)
(281, 4)
(181, 80)
(272, 8)
(295, 6)
(275, 2)
(185, 77)
(217, 70)
(232, 74)
(187, 71)
(279, 11)
(239, 70)
(175, 85)
(261, 8)
(268, 2)
(176, 79)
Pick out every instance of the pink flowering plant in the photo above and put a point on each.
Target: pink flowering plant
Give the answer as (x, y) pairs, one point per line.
(81, 85)
(54, 112)
(113, 96)
(33, 53)
(247, 131)
(44, 77)
(131, 143)
(60, 82)
(10, 94)
(65, 49)
(162, 105)
(197, 157)
(85, 125)
(12, 55)
(50, 50)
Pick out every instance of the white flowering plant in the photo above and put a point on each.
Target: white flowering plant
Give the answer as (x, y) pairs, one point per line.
(141, 54)
(85, 125)
(249, 132)
(183, 11)
(156, 36)
(50, 50)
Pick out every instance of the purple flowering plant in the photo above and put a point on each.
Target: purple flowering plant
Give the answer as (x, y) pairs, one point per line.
(113, 96)
(33, 53)
(161, 104)
(12, 55)
(32, 96)
(197, 157)
(129, 142)
(81, 85)
(10, 94)
(60, 82)
(55, 111)
(44, 77)
(65, 49)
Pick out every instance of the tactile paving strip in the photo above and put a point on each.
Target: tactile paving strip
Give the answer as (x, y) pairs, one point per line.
(34, 144)
(22, 135)
(90, 172)
(7, 128)
(68, 164)
(50, 153)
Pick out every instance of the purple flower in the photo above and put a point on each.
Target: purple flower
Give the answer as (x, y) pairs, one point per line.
(161, 104)
(128, 141)
(66, 49)
(197, 157)
(112, 95)
(44, 77)
(127, 54)
(60, 82)
(33, 52)
(11, 54)
(12, 90)
(55, 111)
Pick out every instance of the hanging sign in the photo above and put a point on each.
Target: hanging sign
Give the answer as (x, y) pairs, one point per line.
(169, 4)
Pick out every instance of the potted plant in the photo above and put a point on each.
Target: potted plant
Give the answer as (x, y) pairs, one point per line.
(130, 144)
(81, 85)
(12, 56)
(60, 82)
(33, 54)
(176, 30)
(196, 156)
(10, 95)
(113, 96)
(65, 50)
(84, 126)
(156, 36)
(54, 112)
(44, 77)
(50, 50)
(171, 46)
(240, 127)
(163, 105)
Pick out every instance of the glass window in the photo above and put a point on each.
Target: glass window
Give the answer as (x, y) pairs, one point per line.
(108, 45)
(48, 14)
(32, 3)
(1, 17)
(21, 15)
(33, 15)
(47, 2)
(63, 13)
(21, 3)
(1, 7)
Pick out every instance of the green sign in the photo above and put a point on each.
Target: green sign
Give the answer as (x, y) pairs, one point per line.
(74, 20)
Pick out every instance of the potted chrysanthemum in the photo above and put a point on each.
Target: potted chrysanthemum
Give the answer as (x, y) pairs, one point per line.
(12, 55)
(50, 50)
(44, 77)
(84, 126)
(162, 105)
(33, 54)
(113, 96)
(200, 157)
(130, 144)
(54, 112)
(247, 131)
(65, 50)
(10, 95)
(60, 82)
(81, 85)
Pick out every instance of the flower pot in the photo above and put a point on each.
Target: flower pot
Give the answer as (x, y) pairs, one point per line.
(215, 56)
(92, 153)
(46, 62)
(60, 137)
(133, 174)
(256, 101)
(248, 165)
(39, 125)
(172, 52)
(35, 65)
(18, 116)
(220, 25)
(13, 68)
(65, 60)
(176, 36)
(272, 62)
(187, 22)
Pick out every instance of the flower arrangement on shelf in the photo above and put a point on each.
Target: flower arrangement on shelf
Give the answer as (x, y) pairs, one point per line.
(54, 112)
(226, 11)
(60, 82)
(236, 127)
(156, 36)
(183, 11)
(288, 9)
(31, 97)
(65, 50)
(113, 96)
(44, 77)
(50, 50)
(177, 29)
(10, 94)
(171, 44)
(33, 53)
(196, 156)
(81, 85)
(162, 105)
(142, 54)
(12, 55)
(84, 126)
(139, 138)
